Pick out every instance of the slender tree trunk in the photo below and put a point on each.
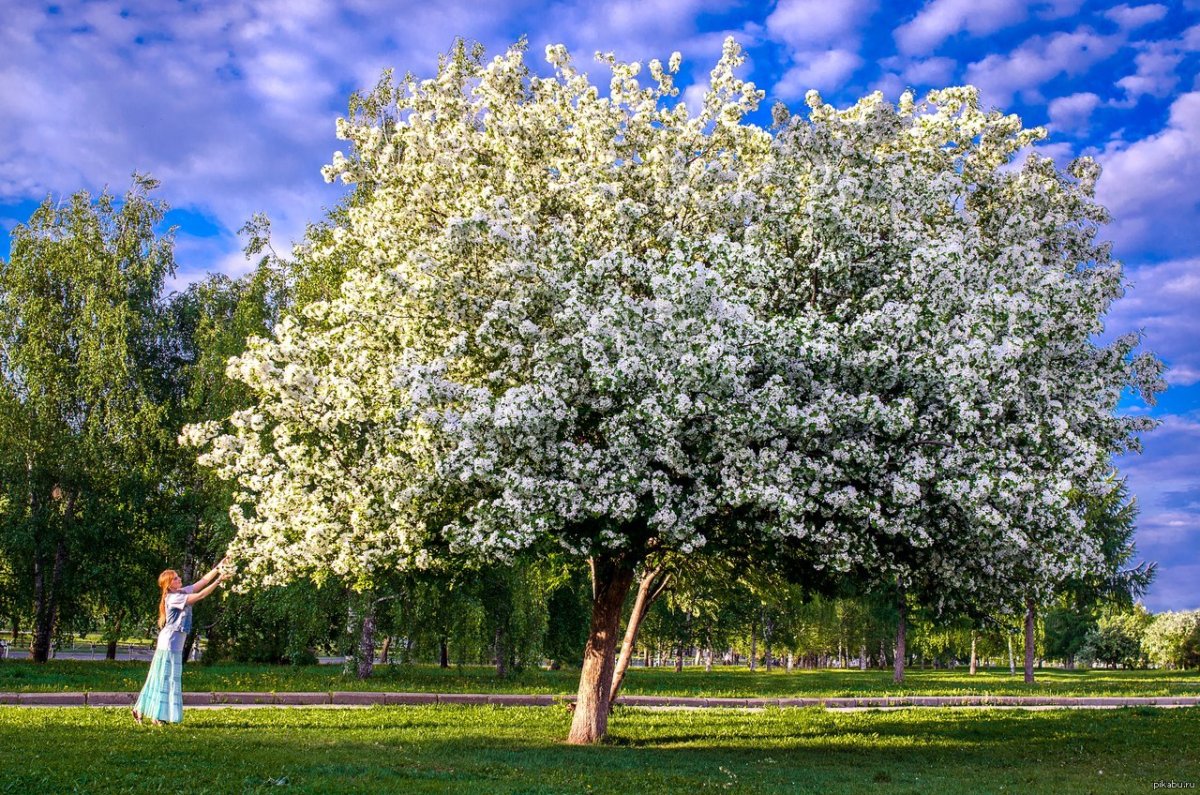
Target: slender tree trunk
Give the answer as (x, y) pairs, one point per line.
(754, 646)
(16, 627)
(1030, 615)
(47, 616)
(862, 656)
(709, 656)
(1012, 661)
(768, 632)
(974, 658)
(679, 658)
(650, 587)
(611, 580)
(385, 650)
(501, 658)
(901, 651)
(790, 662)
(366, 640)
(444, 653)
(646, 658)
(39, 610)
(114, 635)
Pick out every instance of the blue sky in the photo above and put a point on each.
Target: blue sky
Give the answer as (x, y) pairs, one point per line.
(232, 106)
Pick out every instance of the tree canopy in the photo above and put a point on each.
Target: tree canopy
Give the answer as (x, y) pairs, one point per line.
(598, 323)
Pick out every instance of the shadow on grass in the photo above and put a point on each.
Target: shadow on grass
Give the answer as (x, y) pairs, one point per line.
(475, 749)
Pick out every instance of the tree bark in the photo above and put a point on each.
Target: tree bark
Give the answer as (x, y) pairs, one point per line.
(47, 616)
(862, 657)
(385, 650)
(611, 580)
(1030, 614)
(1012, 662)
(501, 653)
(651, 586)
(366, 641)
(768, 631)
(709, 656)
(754, 646)
(444, 653)
(678, 658)
(974, 657)
(901, 630)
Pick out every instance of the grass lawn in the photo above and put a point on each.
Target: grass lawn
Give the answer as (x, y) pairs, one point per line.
(488, 749)
(66, 675)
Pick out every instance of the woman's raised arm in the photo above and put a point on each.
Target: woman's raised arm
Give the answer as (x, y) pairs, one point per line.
(198, 595)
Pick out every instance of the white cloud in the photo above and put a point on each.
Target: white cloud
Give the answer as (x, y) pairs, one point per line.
(1038, 60)
(1152, 185)
(804, 24)
(1133, 17)
(1155, 74)
(1072, 113)
(1165, 479)
(933, 72)
(1164, 300)
(823, 71)
(823, 42)
(940, 19)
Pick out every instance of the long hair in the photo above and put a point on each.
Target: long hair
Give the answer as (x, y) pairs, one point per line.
(164, 582)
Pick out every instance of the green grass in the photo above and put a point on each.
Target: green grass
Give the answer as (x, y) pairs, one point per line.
(66, 675)
(484, 749)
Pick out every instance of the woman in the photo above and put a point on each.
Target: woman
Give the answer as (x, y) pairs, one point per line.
(161, 698)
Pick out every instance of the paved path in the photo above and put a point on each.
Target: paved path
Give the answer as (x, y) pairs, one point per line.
(359, 699)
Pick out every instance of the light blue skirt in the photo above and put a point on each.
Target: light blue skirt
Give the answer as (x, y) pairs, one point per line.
(162, 695)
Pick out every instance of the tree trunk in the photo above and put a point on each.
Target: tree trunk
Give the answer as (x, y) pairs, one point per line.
(1030, 614)
(862, 656)
(501, 658)
(768, 632)
(46, 604)
(444, 653)
(650, 587)
(791, 662)
(709, 656)
(366, 641)
(679, 658)
(901, 630)
(383, 652)
(754, 646)
(974, 658)
(114, 635)
(1012, 662)
(611, 580)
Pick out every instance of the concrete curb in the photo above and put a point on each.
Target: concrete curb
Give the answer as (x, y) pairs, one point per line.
(370, 698)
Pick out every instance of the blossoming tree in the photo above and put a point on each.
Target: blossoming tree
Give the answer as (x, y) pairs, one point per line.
(598, 322)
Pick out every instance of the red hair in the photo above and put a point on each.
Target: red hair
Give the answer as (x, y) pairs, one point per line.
(164, 582)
